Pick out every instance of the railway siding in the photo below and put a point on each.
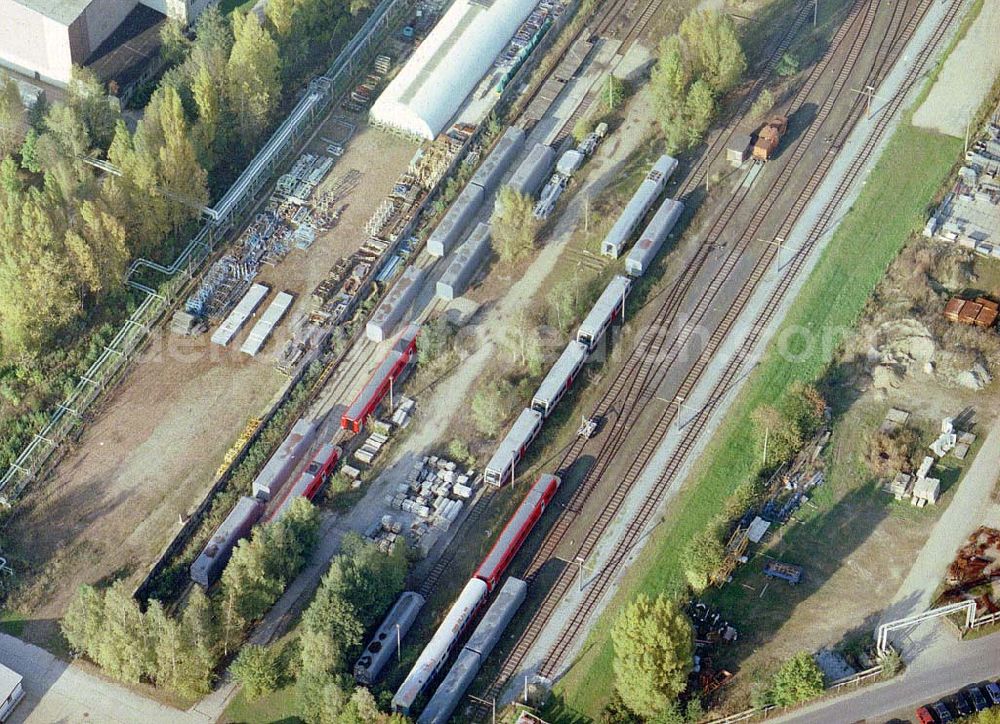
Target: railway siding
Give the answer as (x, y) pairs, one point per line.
(715, 392)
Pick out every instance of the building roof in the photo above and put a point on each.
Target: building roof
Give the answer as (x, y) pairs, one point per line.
(124, 56)
(448, 65)
(62, 11)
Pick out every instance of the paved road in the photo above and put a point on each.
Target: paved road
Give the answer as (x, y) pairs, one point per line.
(964, 662)
(59, 692)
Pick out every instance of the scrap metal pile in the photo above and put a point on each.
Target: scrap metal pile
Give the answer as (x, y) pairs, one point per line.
(975, 572)
(710, 631)
(267, 240)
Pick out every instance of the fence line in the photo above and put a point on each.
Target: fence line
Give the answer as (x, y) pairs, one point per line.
(45, 447)
(835, 687)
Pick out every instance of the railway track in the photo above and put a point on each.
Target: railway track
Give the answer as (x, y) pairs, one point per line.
(640, 523)
(898, 33)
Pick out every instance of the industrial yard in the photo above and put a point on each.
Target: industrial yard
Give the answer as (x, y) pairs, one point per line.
(661, 300)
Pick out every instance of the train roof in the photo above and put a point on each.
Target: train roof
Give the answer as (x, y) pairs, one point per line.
(496, 618)
(517, 521)
(651, 187)
(652, 237)
(492, 169)
(382, 646)
(246, 511)
(570, 359)
(280, 465)
(519, 434)
(440, 644)
(605, 306)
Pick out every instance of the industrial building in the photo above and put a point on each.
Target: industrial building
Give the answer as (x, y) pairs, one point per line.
(447, 66)
(44, 39)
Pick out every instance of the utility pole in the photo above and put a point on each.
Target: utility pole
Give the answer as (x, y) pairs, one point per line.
(767, 430)
(869, 93)
(779, 242)
(815, 11)
(399, 647)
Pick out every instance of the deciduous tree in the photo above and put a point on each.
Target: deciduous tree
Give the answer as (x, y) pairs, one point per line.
(654, 649)
(515, 227)
(13, 117)
(492, 404)
(256, 669)
(253, 77)
(703, 556)
(799, 679)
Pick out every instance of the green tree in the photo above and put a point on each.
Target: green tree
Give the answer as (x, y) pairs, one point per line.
(125, 650)
(459, 450)
(13, 117)
(436, 338)
(281, 15)
(582, 128)
(207, 135)
(83, 621)
(699, 109)
(254, 77)
(654, 653)
(492, 404)
(799, 679)
(174, 42)
(613, 92)
(778, 437)
(714, 49)
(804, 405)
(62, 148)
(515, 227)
(200, 629)
(256, 669)
(86, 95)
(181, 178)
(38, 298)
(563, 300)
(788, 65)
(670, 76)
(29, 152)
(703, 556)
(523, 344)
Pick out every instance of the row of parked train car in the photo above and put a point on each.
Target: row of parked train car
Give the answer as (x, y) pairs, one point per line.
(486, 580)
(271, 488)
(608, 306)
(383, 646)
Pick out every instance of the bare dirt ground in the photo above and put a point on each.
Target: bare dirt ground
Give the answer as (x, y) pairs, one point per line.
(965, 78)
(114, 502)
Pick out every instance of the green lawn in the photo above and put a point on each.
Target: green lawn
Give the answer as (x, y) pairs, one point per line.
(281, 706)
(893, 204)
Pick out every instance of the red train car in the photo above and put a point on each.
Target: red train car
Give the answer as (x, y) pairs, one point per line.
(520, 524)
(374, 392)
(310, 481)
